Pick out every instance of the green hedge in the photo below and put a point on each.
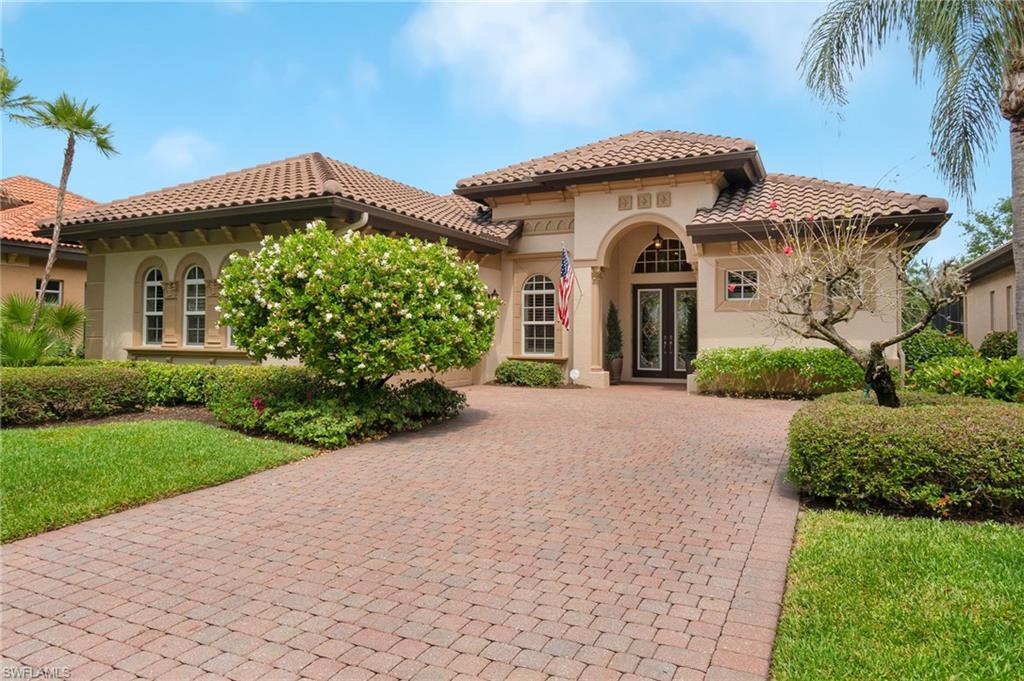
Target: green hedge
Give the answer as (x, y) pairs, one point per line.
(931, 344)
(999, 345)
(938, 454)
(530, 374)
(172, 384)
(61, 393)
(294, 403)
(999, 379)
(783, 372)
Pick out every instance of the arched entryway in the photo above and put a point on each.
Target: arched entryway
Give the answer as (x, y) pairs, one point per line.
(650, 276)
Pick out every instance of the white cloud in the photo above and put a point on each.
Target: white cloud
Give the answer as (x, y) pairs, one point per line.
(538, 62)
(363, 76)
(178, 150)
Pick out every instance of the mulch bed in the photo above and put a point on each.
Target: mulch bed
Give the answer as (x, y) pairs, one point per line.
(180, 413)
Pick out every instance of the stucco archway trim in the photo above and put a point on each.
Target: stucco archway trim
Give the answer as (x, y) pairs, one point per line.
(138, 288)
(620, 228)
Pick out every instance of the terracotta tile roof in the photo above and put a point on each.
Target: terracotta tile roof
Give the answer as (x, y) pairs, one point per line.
(806, 196)
(304, 176)
(25, 200)
(622, 150)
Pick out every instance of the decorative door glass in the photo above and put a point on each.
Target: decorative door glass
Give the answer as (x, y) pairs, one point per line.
(649, 313)
(685, 327)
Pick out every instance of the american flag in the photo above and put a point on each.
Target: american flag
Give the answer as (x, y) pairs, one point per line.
(565, 281)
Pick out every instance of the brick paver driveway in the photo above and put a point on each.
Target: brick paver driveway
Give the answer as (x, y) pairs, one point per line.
(637, 532)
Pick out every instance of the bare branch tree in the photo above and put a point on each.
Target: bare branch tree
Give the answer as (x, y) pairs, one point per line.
(816, 275)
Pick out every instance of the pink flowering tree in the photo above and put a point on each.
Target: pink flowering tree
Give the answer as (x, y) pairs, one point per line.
(358, 309)
(817, 274)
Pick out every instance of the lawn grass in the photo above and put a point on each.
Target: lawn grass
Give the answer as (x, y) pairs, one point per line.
(876, 597)
(51, 477)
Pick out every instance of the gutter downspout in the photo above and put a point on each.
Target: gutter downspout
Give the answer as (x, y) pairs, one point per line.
(364, 218)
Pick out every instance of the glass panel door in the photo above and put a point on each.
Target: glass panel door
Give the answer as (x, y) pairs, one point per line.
(685, 328)
(648, 329)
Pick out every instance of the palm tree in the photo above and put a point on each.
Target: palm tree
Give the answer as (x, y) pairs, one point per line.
(977, 49)
(76, 120)
(9, 101)
(57, 334)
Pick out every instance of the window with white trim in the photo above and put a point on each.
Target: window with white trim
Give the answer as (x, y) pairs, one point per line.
(538, 316)
(741, 285)
(153, 308)
(195, 306)
(54, 291)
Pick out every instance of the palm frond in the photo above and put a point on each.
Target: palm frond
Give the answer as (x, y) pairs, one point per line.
(842, 39)
(75, 118)
(16, 310)
(65, 321)
(20, 347)
(9, 101)
(966, 113)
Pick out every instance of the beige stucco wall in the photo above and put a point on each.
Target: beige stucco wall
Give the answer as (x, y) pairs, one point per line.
(18, 274)
(989, 305)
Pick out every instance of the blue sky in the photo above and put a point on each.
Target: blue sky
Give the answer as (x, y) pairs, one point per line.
(427, 94)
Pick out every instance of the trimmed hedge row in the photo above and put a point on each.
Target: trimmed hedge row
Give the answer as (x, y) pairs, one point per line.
(295, 403)
(55, 393)
(529, 374)
(937, 454)
(783, 372)
(998, 379)
(287, 402)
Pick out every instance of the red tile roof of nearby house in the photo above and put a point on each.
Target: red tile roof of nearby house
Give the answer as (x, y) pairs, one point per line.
(779, 197)
(305, 176)
(622, 150)
(25, 200)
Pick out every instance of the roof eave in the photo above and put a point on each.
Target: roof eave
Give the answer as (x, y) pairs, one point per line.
(996, 259)
(308, 208)
(741, 168)
(920, 227)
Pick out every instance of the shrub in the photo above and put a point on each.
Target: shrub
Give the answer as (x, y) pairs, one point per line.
(932, 343)
(999, 379)
(296, 404)
(358, 308)
(784, 372)
(55, 336)
(42, 394)
(172, 384)
(938, 454)
(530, 374)
(999, 345)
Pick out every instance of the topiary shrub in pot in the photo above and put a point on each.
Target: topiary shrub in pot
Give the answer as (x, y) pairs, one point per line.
(613, 344)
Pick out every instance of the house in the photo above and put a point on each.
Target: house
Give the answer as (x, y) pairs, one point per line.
(23, 201)
(657, 222)
(989, 301)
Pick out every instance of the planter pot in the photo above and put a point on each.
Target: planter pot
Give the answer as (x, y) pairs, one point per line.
(615, 370)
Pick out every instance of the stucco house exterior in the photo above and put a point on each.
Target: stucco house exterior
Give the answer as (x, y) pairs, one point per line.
(23, 201)
(657, 222)
(990, 298)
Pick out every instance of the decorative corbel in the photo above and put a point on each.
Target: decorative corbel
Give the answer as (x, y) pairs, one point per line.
(201, 235)
(228, 234)
(175, 237)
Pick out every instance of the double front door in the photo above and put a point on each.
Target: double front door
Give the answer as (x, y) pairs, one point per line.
(665, 330)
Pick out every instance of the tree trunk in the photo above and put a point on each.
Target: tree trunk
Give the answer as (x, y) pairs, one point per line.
(69, 155)
(1011, 104)
(878, 377)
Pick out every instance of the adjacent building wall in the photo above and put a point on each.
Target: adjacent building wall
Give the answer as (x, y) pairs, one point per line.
(989, 305)
(18, 274)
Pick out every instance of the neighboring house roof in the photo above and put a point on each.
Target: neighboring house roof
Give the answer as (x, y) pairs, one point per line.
(779, 197)
(307, 176)
(994, 260)
(658, 151)
(24, 201)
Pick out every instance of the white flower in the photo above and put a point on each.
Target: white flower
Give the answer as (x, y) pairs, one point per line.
(329, 316)
(300, 274)
(319, 273)
(377, 305)
(217, 308)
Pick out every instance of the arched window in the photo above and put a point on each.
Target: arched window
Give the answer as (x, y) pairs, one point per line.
(671, 257)
(195, 306)
(153, 308)
(538, 316)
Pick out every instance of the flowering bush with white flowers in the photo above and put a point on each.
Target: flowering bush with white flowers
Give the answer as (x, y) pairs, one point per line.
(358, 308)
